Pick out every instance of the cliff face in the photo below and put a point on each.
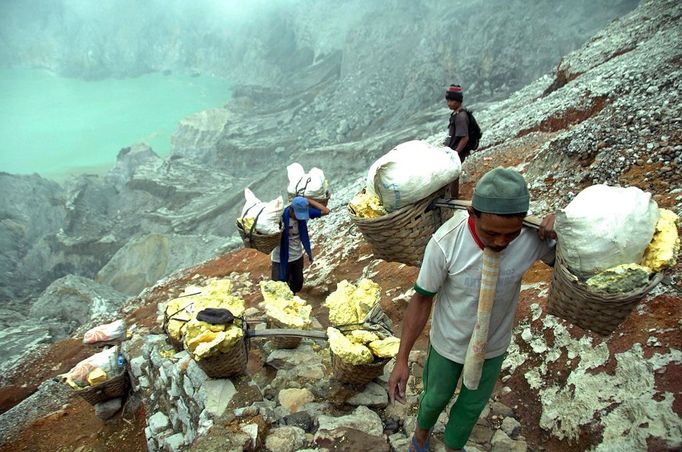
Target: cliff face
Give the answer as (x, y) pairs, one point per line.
(327, 84)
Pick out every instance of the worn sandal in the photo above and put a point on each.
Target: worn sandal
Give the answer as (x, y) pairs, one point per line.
(414, 445)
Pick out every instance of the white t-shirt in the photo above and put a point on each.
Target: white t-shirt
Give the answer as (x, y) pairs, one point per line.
(452, 269)
(295, 245)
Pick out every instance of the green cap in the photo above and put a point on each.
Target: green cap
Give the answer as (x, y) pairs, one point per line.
(501, 191)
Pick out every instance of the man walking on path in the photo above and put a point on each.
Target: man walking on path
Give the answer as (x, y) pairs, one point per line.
(474, 264)
(458, 129)
(287, 257)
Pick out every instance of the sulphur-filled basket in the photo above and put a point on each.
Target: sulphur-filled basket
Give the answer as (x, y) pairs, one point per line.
(402, 235)
(113, 388)
(282, 342)
(601, 312)
(229, 363)
(360, 374)
(264, 243)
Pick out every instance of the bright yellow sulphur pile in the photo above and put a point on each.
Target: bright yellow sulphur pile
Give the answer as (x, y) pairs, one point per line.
(282, 307)
(350, 304)
(665, 246)
(204, 339)
(367, 206)
(216, 294)
(359, 347)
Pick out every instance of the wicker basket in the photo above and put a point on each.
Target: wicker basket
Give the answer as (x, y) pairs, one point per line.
(402, 235)
(230, 363)
(324, 201)
(261, 242)
(227, 364)
(282, 341)
(357, 374)
(111, 389)
(597, 311)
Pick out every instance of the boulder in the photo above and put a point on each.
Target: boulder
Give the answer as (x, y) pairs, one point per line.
(76, 300)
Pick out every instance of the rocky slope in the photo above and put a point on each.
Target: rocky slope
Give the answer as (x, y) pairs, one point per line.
(335, 96)
(610, 112)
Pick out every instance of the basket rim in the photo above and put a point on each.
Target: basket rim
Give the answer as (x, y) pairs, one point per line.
(414, 206)
(607, 297)
(112, 380)
(255, 233)
(377, 360)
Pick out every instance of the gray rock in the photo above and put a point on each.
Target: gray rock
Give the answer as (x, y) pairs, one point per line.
(75, 300)
(50, 397)
(19, 341)
(481, 434)
(128, 160)
(252, 431)
(199, 133)
(500, 442)
(146, 259)
(511, 427)
(215, 395)
(158, 422)
(373, 395)
(285, 439)
(300, 419)
(500, 409)
(173, 443)
(290, 359)
(106, 410)
(362, 419)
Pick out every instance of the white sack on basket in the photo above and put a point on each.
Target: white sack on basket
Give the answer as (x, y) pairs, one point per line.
(270, 212)
(105, 360)
(410, 172)
(104, 333)
(311, 185)
(604, 227)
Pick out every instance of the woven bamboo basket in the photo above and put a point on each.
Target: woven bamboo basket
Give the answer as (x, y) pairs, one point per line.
(282, 341)
(357, 374)
(111, 389)
(261, 242)
(597, 311)
(229, 363)
(324, 201)
(402, 235)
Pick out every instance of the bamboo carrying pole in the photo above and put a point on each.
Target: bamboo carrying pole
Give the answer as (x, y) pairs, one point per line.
(530, 221)
(270, 332)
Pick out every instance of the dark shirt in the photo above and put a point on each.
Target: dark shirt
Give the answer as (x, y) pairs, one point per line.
(458, 127)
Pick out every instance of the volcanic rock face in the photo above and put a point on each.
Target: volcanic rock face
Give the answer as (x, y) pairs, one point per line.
(30, 209)
(74, 300)
(147, 259)
(335, 97)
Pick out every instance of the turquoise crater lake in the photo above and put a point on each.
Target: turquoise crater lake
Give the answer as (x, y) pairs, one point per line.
(53, 125)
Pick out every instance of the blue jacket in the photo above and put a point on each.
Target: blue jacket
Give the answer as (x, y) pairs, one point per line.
(284, 240)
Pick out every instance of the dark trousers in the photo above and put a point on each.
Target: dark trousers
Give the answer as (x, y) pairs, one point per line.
(294, 274)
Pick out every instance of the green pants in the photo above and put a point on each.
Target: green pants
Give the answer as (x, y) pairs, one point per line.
(440, 381)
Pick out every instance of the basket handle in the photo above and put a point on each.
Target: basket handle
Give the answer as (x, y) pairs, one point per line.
(300, 192)
(253, 226)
